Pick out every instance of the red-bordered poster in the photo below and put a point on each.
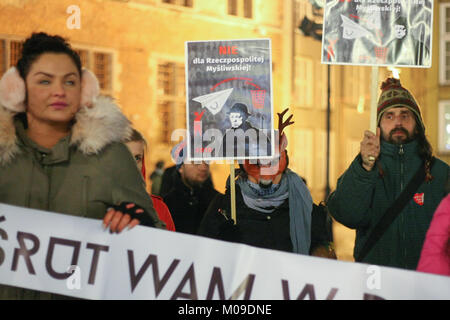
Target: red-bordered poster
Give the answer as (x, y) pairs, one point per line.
(229, 99)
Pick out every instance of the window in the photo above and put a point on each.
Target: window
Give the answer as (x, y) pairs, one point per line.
(321, 85)
(184, 3)
(444, 127)
(171, 103)
(303, 8)
(303, 85)
(83, 57)
(15, 52)
(101, 68)
(303, 162)
(100, 63)
(241, 8)
(232, 7)
(2, 57)
(248, 9)
(444, 50)
(320, 159)
(352, 148)
(10, 52)
(356, 86)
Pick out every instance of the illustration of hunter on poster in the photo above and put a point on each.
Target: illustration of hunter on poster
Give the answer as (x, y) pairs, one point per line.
(229, 99)
(378, 33)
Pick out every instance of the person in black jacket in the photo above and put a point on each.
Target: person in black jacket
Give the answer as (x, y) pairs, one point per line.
(190, 195)
(270, 226)
(274, 210)
(169, 177)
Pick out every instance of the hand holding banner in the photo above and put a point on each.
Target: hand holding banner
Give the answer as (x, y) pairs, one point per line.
(41, 247)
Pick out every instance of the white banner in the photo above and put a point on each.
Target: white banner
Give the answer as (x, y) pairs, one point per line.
(75, 257)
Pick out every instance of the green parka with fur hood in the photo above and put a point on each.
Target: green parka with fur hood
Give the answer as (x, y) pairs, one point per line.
(81, 175)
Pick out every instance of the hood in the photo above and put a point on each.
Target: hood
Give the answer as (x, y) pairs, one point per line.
(94, 128)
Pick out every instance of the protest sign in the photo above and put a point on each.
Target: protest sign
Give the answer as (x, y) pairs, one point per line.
(229, 99)
(378, 32)
(74, 256)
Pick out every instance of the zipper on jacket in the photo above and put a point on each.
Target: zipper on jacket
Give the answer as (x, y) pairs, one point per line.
(47, 170)
(401, 152)
(84, 196)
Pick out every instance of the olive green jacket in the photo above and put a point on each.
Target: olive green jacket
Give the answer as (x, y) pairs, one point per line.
(81, 175)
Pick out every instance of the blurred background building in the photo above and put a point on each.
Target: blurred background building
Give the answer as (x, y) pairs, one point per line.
(136, 49)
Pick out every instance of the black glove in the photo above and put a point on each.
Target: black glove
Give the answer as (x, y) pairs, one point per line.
(144, 218)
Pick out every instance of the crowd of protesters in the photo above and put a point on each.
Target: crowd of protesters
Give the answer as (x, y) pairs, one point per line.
(58, 135)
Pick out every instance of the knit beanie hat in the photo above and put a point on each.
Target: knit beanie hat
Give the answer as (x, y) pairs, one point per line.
(394, 95)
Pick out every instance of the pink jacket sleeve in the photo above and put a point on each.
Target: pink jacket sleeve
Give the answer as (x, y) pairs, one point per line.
(435, 256)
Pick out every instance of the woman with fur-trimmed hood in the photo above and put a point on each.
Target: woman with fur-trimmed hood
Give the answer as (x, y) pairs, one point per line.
(60, 142)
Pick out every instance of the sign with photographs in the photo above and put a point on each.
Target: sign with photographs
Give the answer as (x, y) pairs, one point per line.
(378, 32)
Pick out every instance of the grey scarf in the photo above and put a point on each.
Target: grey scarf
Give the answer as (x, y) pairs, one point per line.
(300, 206)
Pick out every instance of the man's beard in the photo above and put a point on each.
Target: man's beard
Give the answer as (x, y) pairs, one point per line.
(398, 140)
(195, 183)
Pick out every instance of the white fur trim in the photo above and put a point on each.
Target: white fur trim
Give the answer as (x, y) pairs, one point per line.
(8, 139)
(94, 129)
(90, 88)
(98, 126)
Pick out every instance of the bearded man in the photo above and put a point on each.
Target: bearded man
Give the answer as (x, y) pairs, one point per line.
(191, 192)
(373, 184)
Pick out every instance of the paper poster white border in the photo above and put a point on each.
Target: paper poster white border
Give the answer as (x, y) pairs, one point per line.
(188, 133)
(376, 64)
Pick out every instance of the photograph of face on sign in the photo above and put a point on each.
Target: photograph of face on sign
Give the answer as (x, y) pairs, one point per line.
(229, 105)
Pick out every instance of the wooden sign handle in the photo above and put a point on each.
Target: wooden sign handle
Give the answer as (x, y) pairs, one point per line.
(233, 192)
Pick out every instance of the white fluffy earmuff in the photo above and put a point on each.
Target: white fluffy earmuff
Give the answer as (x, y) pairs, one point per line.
(13, 90)
(90, 88)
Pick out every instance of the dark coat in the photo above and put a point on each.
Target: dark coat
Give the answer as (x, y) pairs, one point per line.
(270, 231)
(362, 197)
(169, 177)
(188, 206)
(81, 175)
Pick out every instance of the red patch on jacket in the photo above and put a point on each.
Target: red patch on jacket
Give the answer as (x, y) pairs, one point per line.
(418, 198)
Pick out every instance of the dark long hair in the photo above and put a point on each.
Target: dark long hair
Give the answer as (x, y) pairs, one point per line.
(40, 43)
(425, 149)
